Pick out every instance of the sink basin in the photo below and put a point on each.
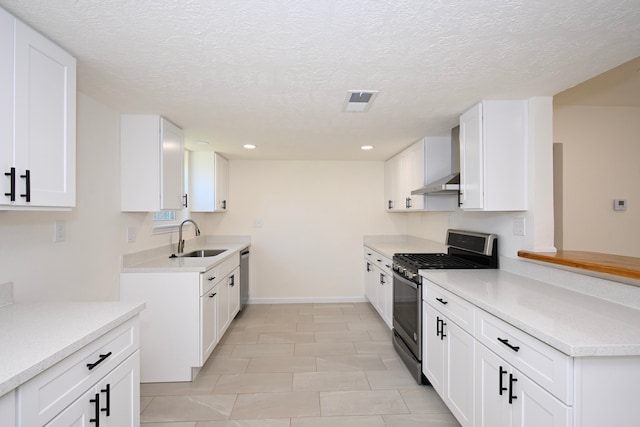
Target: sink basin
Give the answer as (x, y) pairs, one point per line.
(203, 253)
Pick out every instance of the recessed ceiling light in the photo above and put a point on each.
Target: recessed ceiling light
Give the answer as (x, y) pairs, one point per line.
(367, 147)
(201, 142)
(249, 146)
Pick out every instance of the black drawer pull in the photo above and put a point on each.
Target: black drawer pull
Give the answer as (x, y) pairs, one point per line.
(212, 295)
(107, 409)
(99, 361)
(501, 388)
(511, 396)
(27, 177)
(440, 300)
(96, 420)
(506, 342)
(211, 278)
(12, 188)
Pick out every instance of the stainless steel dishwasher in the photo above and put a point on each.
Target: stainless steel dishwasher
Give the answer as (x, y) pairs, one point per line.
(244, 278)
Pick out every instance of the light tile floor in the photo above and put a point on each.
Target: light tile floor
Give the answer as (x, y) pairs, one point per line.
(299, 365)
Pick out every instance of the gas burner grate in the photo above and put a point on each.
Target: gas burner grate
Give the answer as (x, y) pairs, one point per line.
(435, 261)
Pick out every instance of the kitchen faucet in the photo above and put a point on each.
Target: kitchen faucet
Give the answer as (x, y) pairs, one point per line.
(180, 241)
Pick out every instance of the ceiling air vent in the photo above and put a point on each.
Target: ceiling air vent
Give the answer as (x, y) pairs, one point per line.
(359, 101)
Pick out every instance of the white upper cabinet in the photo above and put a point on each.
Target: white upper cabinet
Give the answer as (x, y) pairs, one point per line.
(37, 119)
(425, 161)
(493, 156)
(208, 182)
(151, 164)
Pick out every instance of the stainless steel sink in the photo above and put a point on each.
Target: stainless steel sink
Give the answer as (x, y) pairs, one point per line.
(203, 253)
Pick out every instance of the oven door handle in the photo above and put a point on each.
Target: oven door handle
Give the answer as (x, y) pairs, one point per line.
(404, 280)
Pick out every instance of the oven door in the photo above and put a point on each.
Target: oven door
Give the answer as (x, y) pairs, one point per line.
(407, 313)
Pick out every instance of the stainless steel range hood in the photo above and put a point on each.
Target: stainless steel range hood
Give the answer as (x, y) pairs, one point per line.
(449, 184)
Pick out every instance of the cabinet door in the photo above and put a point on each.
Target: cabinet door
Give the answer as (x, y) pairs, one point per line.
(80, 413)
(433, 347)
(222, 183)
(535, 407)
(414, 175)
(234, 293)
(45, 121)
(389, 184)
(172, 167)
(120, 394)
(370, 283)
(223, 307)
(471, 160)
(459, 371)
(208, 327)
(492, 387)
(6, 105)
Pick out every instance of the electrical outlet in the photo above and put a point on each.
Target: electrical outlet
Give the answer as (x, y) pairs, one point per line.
(257, 223)
(131, 235)
(59, 231)
(619, 205)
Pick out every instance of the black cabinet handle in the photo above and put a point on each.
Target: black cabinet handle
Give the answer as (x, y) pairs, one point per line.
(224, 204)
(501, 389)
(440, 300)
(99, 361)
(96, 420)
(409, 202)
(368, 267)
(390, 205)
(12, 190)
(107, 409)
(212, 295)
(186, 202)
(211, 278)
(382, 281)
(442, 334)
(511, 396)
(438, 326)
(506, 342)
(27, 177)
(232, 280)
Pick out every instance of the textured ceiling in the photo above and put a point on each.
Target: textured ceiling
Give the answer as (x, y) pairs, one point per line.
(276, 73)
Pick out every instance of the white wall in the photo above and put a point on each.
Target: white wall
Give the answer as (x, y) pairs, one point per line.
(314, 215)
(86, 266)
(601, 151)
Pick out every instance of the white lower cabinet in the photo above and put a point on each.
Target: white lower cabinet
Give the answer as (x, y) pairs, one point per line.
(507, 397)
(187, 310)
(448, 363)
(379, 284)
(8, 408)
(111, 401)
(97, 385)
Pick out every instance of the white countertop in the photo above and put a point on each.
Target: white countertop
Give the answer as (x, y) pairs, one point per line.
(36, 336)
(573, 323)
(158, 260)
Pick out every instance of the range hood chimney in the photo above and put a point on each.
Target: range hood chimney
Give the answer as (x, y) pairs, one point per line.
(449, 184)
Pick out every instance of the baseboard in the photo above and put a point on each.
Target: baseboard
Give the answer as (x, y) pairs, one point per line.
(307, 300)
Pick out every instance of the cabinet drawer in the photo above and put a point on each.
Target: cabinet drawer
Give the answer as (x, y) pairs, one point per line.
(47, 394)
(208, 279)
(545, 365)
(376, 259)
(452, 306)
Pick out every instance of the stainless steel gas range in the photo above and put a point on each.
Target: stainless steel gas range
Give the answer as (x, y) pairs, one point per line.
(466, 250)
